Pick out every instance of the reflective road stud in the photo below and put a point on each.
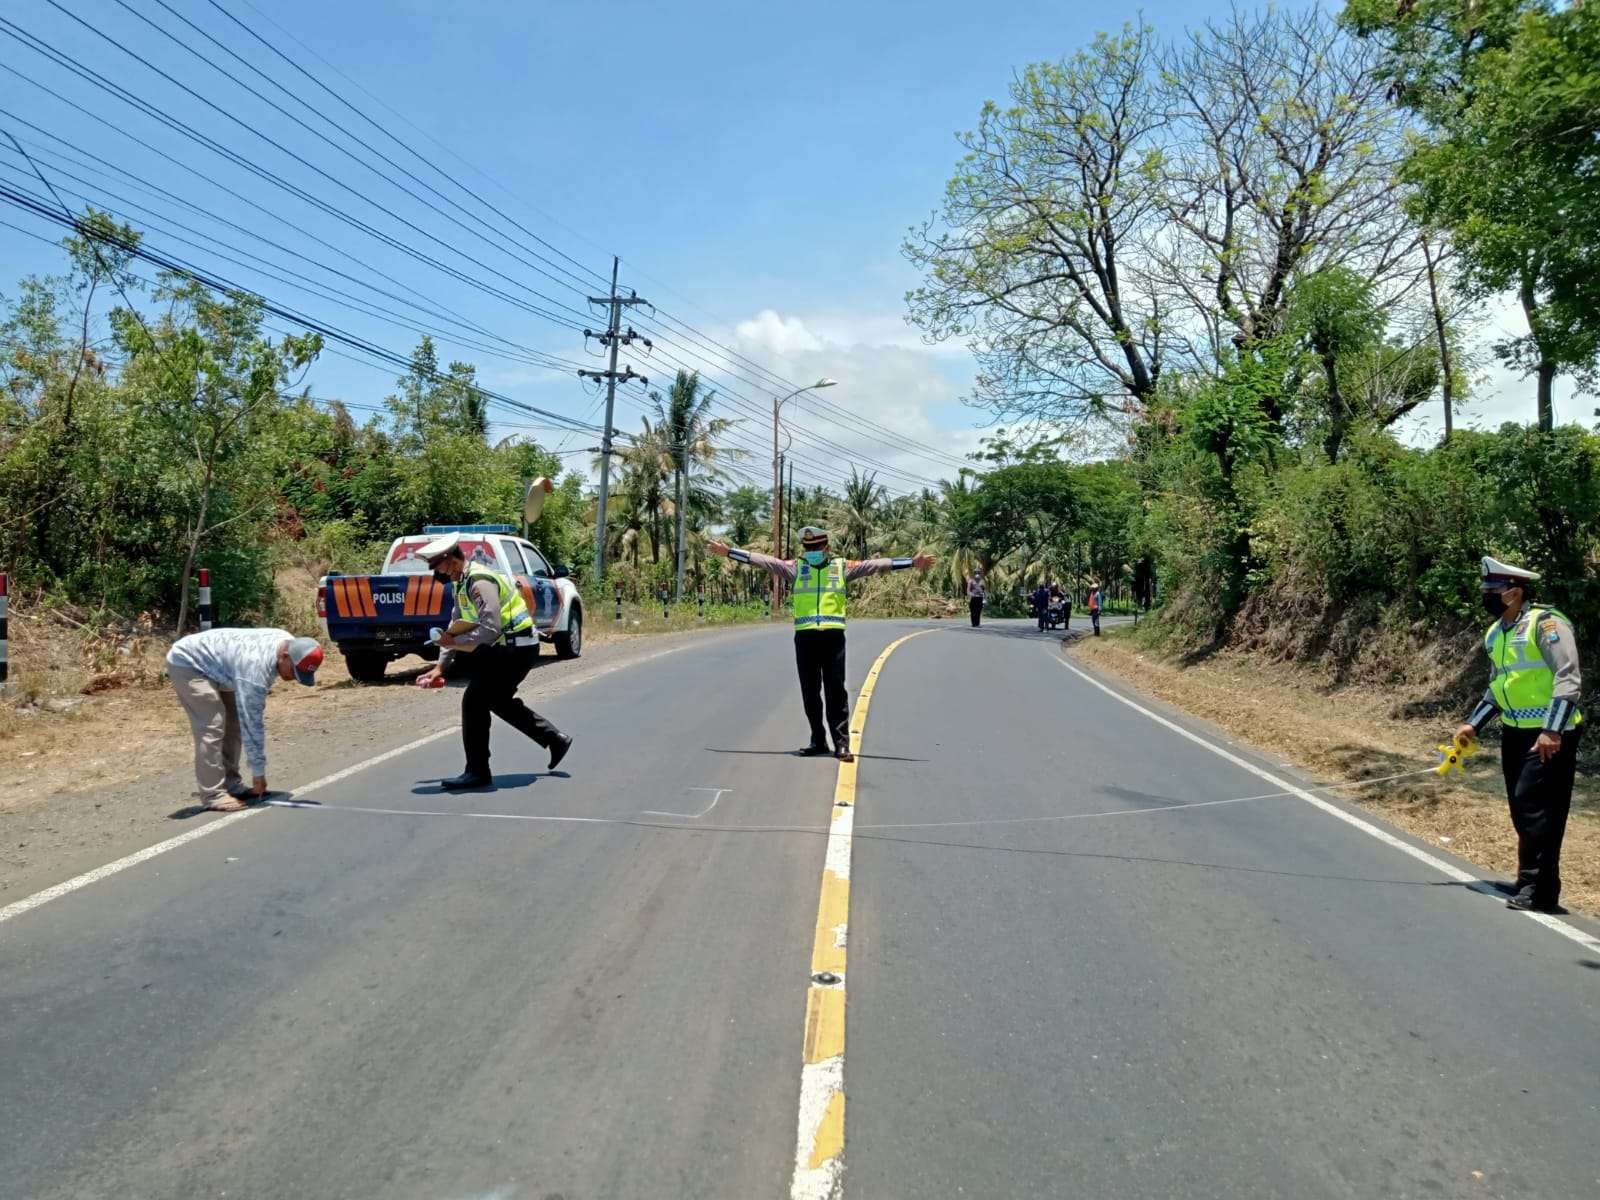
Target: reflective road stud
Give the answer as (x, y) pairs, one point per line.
(205, 599)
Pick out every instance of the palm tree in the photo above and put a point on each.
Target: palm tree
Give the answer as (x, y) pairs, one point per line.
(638, 487)
(688, 433)
(859, 510)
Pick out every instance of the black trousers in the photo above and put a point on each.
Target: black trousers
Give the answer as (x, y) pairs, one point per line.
(1540, 795)
(975, 607)
(1094, 616)
(493, 675)
(819, 656)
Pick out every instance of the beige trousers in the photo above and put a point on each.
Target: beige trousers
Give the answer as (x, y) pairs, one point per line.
(215, 722)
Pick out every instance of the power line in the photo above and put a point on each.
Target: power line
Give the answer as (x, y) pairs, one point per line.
(597, 276)
(155, 222)
(871, 429)
(237, 159)
(501, 240)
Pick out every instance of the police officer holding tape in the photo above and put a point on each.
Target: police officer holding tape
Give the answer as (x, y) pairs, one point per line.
(820, 604)
(1535, 685)
(496, 653)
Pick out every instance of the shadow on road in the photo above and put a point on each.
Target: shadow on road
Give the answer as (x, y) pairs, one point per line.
(797, 754)
(435, 787)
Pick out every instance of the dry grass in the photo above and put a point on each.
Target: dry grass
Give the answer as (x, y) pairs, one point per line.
(1351, 732)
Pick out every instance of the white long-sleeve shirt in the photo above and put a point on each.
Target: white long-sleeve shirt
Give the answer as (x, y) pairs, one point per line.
(241, 661)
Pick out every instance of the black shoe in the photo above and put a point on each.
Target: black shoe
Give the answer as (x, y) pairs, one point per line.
(843, 754)
(1528, 902)
(559, 751)
(814, 750)
(468, 781)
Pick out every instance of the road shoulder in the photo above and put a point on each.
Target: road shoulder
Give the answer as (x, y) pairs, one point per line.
(1294, 725)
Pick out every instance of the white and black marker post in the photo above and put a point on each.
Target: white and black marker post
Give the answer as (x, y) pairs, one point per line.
(619, 603)
(666, 613)
(3, 635)
(702, 595)
(205, 599)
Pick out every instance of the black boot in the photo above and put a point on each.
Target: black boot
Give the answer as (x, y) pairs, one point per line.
(842, 753)
(558, 750)
(468, 781)
(813, 750)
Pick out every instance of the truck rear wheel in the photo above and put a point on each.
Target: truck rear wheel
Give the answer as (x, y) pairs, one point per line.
(569, 644)
(365, 666)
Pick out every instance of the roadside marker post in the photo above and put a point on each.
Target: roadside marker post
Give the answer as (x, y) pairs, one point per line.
(619, 604)
(666, 613)
(702, 597)
(4, 602)
(205, 599)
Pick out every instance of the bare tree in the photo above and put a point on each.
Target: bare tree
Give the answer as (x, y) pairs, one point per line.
(1285, 157)
(1036, 258)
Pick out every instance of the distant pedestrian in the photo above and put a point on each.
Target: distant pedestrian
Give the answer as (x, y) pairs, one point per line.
(820, 603)
(222, 677)
(1041, 604)
(976, 596)
(1534, 685)
(503, 645)
(1094, 607)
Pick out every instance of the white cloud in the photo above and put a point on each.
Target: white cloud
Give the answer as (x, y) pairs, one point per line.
(891, 389)
(777, 335)
(1498, 393)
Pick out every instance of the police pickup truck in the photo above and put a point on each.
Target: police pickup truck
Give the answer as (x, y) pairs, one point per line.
(374, 619)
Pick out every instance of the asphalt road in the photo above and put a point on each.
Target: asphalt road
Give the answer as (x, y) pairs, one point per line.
(1246, 1000)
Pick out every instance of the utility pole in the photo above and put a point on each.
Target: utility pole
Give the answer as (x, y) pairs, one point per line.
(614, 338)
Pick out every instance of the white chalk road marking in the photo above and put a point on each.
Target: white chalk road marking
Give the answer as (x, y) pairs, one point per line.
(1448, 869)
(716, 794)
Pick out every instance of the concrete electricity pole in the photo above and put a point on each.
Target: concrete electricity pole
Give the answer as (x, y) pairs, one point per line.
(615, 338)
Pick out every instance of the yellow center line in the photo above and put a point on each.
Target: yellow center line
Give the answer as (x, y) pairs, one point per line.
(819, 1143)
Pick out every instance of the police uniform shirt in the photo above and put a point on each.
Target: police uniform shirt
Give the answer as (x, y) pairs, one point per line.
(1560, 650)
(487, 598)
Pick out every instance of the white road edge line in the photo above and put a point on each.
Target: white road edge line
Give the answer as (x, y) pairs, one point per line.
(29, 903)
(1570, 932)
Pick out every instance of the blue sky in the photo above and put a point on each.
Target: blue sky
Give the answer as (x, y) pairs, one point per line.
(754, 165)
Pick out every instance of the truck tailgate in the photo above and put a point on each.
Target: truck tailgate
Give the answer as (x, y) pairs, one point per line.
(385, 607)
(402, 608)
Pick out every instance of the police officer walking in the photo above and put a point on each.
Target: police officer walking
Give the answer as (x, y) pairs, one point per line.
(1534, 685)
(820, 603)
(496, 654)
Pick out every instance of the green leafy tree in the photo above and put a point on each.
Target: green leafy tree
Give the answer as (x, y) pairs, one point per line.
(689, 434)
(1034, 256)
(209, 370)
(1511, 163)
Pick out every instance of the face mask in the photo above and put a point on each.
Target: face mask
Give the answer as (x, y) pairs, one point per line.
(815, 557)
(1494, 603)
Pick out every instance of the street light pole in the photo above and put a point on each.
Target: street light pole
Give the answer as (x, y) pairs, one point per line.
(777, 477)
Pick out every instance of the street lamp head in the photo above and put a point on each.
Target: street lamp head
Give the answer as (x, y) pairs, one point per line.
(824, 382)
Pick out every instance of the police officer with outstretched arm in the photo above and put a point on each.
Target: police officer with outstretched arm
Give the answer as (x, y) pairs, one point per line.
(1534, 686)
(820, 602)
(496, 654)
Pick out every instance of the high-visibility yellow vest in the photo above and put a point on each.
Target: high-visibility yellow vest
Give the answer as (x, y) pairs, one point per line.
(819, 595)
(1522, 682)
(514, 615)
